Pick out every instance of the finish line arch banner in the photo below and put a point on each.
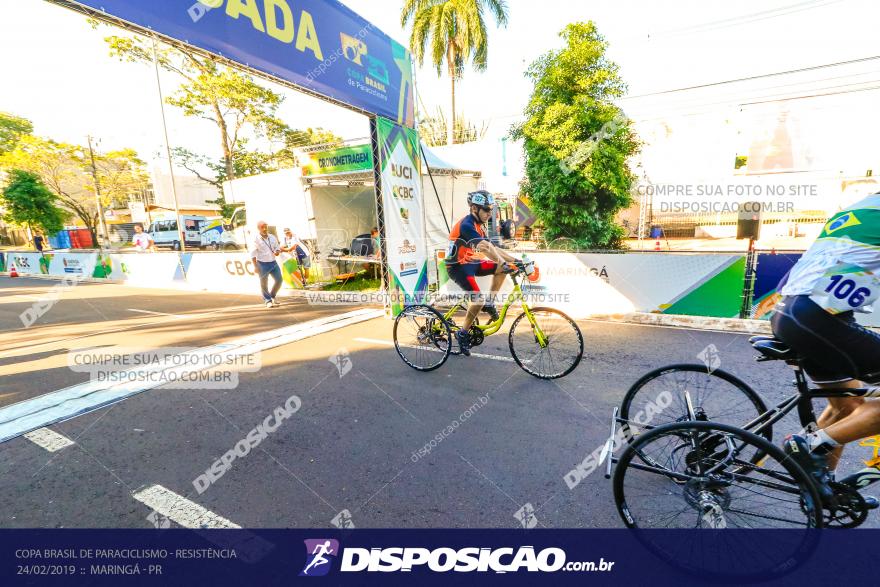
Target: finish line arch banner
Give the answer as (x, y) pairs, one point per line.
(321, 46)
(407, 256)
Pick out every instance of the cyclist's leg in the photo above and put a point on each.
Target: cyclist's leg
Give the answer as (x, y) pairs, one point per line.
(837, 409)
(465, 278)
(863, 422)
(480, 299)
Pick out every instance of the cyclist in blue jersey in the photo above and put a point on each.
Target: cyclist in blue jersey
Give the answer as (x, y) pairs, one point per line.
(470, 255)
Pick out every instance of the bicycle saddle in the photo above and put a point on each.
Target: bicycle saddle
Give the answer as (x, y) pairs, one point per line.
(773, 349)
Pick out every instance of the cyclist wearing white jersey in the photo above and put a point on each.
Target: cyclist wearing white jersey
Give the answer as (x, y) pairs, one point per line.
(836, 278)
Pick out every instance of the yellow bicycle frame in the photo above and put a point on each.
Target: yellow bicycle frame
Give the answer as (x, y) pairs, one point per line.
(493, 327)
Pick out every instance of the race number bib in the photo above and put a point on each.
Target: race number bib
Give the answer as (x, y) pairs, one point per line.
(847, 288)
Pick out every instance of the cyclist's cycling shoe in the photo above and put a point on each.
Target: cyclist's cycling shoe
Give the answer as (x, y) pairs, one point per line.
(872, 502)
(493, 312)
(815, 464)
(464, 342)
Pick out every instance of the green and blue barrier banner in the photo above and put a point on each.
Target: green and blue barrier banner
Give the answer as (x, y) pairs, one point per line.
(407, 260)
(771, 268)
(321, 46)
(29, 263)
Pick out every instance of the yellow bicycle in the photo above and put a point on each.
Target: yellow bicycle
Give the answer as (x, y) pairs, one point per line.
(544, 342)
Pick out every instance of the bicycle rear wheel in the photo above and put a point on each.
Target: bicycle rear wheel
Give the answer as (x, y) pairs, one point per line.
(563, 349)
(701, 475)
(422, 337)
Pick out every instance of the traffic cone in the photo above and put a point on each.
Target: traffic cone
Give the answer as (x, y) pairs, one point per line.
(657, 246)
(13, 272)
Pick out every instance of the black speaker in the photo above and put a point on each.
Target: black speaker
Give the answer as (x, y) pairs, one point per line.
(748, 224)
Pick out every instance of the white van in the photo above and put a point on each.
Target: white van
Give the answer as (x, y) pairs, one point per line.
(165, 234)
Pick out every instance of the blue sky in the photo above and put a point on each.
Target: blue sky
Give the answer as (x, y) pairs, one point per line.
(57, 72)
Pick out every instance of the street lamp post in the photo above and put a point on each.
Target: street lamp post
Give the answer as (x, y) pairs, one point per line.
(181, 234)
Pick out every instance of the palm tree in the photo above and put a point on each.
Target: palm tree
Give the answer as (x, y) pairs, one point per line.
(456, 32)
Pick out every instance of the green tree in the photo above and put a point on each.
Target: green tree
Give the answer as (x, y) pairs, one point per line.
(28, 202)
(454, 33)
(66, 170)
(12, 128)
(240, 108)
(577, 142)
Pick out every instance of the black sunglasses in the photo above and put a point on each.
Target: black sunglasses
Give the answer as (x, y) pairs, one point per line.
(485, 208)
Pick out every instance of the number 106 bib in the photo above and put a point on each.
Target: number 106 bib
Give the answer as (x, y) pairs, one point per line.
(847, 288)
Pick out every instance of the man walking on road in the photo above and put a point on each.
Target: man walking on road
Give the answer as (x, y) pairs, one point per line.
(264, 248)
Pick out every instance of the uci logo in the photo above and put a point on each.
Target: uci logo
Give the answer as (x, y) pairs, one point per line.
(239, 268)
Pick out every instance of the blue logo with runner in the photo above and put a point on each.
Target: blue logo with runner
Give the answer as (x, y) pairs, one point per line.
(320, 553)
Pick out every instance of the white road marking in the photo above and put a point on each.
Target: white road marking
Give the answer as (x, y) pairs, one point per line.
(152, 313)
(179, 509)
(64, 404)
(49, 439)
(412, 346)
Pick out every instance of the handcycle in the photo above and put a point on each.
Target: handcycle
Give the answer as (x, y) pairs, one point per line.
(544, 342)
(708, 444)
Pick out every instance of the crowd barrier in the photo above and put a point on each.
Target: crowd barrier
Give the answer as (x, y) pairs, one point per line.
(581, 284)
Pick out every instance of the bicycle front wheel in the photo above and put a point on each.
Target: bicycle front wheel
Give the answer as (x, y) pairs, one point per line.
(549, 349)
(422, 337)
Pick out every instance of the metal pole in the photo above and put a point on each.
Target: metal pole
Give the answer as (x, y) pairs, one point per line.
(745, 311)
(380, 209)
(104, 236)
(180, 232)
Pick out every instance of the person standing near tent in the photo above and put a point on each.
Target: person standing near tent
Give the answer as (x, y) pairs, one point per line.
(297, 248)
(264, 248)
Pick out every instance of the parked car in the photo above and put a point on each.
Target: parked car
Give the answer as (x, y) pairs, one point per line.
(165, 232)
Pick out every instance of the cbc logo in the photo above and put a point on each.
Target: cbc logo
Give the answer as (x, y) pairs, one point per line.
(239, 268)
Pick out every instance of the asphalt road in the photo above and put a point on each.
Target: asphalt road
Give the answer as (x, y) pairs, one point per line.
(352, 446)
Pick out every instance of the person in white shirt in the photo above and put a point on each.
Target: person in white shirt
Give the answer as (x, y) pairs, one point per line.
(142, 241)
(296, 247)
(264, 248)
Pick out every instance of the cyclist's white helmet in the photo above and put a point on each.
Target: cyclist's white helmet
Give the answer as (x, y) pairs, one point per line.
(481, 198)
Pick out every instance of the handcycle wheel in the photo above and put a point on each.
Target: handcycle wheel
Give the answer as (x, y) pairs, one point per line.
(707, 465)
(561, 354)
(422, 337)
(702, 477)
(659, 398)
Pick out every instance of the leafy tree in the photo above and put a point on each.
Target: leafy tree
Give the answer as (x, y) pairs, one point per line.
(577, 142)
(66, 170)
(433, 129)
(12, 128)
(240, 108)
(456, 32)
(28, 202)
